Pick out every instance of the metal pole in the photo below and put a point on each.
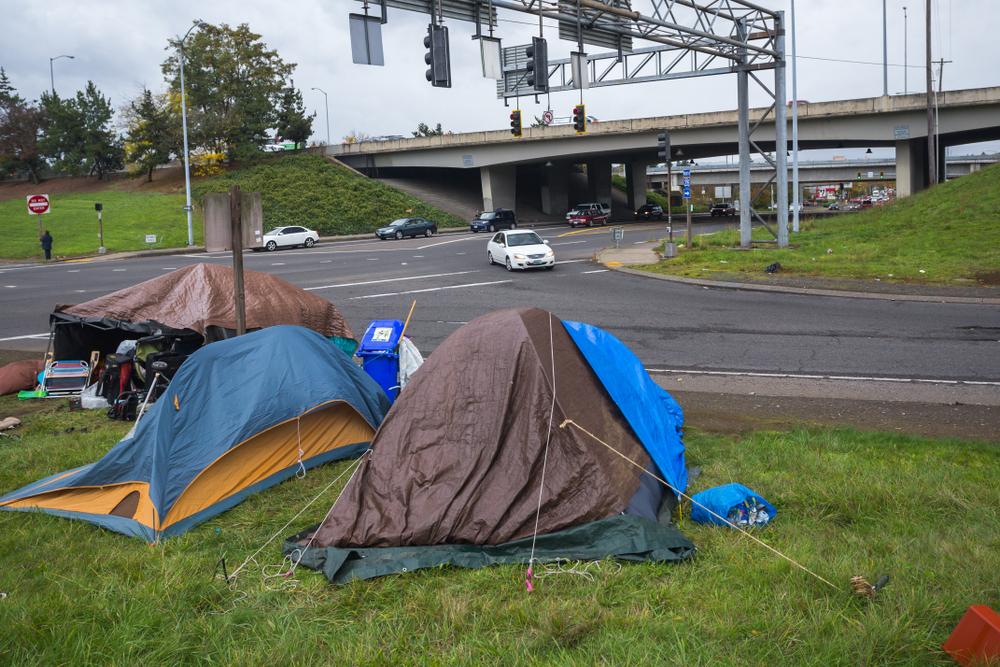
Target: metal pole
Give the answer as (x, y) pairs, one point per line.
(796, 194)
(670, 195)
(52, 77)
(743, 127)
(885, 52)
(100, 232)
(932, 178)
(236, 231)
(326, 101)
(781, 131)
(906, 59)
(187, 159)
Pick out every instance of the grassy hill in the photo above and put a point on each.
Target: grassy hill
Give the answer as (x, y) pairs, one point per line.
(949, 234)
(313, 191)
(296, 189)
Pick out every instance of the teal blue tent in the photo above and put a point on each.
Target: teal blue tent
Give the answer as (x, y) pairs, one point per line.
(239, 416)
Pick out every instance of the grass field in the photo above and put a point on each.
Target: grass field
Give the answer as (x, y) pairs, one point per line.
(947, 235)
(128, 217)
(313, 191)
(926, 512)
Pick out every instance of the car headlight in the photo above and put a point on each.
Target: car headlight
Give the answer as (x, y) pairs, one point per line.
(549, 253)
(519, 257)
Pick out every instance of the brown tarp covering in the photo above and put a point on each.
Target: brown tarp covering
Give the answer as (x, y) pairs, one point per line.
(19, 375)
(200, 296)
(459, 457)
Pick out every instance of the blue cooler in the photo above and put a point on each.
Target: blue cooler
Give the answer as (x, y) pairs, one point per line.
(379, 356)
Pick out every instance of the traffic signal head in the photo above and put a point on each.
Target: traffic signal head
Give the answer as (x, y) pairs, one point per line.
(664, 146)
(538, 65)
(515, 122)
(437, 57)
(580, 118)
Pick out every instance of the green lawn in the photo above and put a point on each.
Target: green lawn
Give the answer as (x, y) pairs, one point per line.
(927, 512)
(313, 191)
(128, 217)
(947, 235)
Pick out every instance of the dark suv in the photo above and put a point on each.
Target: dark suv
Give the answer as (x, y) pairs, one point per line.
(501, 218)
(649, 211)
(722, 208)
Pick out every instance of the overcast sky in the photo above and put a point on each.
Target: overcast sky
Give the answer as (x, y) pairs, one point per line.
(120, 46)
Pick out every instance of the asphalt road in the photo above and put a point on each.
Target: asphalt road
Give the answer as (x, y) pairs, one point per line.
(669, 326)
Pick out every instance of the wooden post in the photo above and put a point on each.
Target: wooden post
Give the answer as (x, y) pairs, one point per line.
(236, 230)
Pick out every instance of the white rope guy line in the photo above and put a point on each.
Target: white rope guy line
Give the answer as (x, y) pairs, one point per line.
(570, 422)
(545, 455)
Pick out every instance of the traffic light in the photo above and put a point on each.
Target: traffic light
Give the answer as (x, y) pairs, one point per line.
(580, 118)
(538, 65)
(664, 143)
(437, 56)
(515, 122)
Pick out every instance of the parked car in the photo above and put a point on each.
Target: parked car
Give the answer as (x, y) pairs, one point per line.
(587, 214)
(834, 206)
(521, 249)
(501, 218)
(649, 211)
(722, 209)
(406, 227)
(289, 237)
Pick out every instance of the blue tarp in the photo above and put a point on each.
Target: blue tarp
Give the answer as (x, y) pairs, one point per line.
(222, 395)
(655, 417)
(722, 499)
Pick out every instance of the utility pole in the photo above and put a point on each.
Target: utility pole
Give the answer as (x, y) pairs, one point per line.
(184, 132)
(796, 204)
(326, 102)
(885, 51)
(932, 176)
(906, 59)
(236, 231)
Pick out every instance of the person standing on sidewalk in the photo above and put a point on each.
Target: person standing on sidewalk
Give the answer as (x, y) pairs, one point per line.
(47, 244)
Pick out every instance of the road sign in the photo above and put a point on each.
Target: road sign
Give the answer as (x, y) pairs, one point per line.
(687, 173)
(38, 204)
(150, 238)
(547, 117)
(687, 191)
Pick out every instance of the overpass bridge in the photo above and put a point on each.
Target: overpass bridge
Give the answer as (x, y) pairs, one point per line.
(547, 155)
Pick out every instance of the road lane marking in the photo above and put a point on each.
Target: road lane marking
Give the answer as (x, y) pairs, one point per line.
(568, 243)
(596, 271)
(393, 280)
(418, 257)
(434, 245)
(804, 376)
(572, 261)
(430, 289)
(169, 268)
(119, 270)
(372, 259)
(25, 337)
(277, 263)
(73, 271)
(11, 286)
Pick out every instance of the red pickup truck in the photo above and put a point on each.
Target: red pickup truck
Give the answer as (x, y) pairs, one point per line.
(588, 216)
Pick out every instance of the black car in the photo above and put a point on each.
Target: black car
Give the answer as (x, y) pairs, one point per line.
(649, 211)
(501, 218)
(722, 208)
(397, 229)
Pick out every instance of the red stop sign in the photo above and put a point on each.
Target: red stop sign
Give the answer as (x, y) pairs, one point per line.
(38, 204)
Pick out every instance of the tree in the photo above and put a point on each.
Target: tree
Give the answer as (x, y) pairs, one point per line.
(424, 131)
(79, 136)
(356, 137)
(293, 123)
(20, 127)
(233, 83)
(153, 132)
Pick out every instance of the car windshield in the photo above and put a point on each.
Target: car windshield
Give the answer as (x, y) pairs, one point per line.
(276, 230)
(488, 215)
(398, 223)
(527, 238)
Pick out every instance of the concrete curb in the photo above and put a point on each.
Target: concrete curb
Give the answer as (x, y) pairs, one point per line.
(782, 289)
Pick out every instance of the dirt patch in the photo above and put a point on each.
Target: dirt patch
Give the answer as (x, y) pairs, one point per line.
(168, 180)
(988, 278)
(737, 414)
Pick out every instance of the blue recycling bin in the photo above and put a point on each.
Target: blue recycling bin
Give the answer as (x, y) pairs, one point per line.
(380, 356)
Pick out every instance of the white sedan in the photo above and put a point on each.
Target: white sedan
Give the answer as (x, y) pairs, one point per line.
(520, 249)
(289, 237)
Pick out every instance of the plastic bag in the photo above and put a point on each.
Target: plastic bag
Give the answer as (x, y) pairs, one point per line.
(734, 503)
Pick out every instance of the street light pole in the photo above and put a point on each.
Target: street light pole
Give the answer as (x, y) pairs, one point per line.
(885, 52)
(52, 76)
(796, 203)
(184, 129)
(906, 60)
(326, 102)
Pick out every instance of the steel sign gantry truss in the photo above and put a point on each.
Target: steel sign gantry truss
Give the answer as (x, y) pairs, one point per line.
(687, 38)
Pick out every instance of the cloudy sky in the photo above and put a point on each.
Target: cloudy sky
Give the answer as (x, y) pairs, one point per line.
(120, 46)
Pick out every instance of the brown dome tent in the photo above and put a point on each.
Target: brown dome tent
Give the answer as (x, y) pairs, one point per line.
(455, 469)
(196, 300)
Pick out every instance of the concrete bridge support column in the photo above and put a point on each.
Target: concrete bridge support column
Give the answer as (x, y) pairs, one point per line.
(599, 180)
(555, 188)
(911, 166)
(499, 186)
(636, 183)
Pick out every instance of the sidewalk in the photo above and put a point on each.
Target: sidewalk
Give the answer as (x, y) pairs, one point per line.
(622, 259)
